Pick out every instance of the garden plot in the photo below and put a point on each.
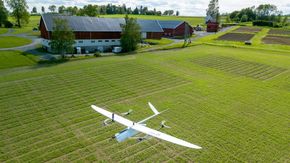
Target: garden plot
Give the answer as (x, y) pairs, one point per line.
(239, 67)
(248, 30)
(279, 32)
(236, 37)
(282, 40)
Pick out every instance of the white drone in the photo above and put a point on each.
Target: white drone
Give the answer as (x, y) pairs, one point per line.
(135, 128)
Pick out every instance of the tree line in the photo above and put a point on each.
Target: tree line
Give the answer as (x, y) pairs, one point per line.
(95, 10)
(19, 12)
(262, 13)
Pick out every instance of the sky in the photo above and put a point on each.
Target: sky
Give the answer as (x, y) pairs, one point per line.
(186, 7)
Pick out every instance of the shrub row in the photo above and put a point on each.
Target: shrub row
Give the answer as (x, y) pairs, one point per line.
(267, 23)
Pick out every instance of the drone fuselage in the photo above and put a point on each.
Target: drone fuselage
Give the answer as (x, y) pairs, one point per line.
(125, 134)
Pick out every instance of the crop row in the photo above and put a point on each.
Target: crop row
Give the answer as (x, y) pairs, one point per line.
(239, 67)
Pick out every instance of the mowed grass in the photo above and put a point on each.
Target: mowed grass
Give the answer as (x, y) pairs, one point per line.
(192, 20)
(3, 30)
(46, 115)
(9, 59)
(13, 41)
(27, 28)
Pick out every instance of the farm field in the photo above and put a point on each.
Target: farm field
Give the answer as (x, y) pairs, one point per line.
(192, 20)
(9, 59)
(236, 37)
(235, 110)
(27, 28)
(279, 32)
(282, 40)
(12, 41)
(248, 29)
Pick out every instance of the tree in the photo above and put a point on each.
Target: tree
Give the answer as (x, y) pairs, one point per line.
(265, 11)
(285, 21)
(19, 11)
(177, 13)
(3, 13)
(34, 10)
(228, 19)
(90, 10)
(42, 9)
(72, 10)
(61, 9)
(131, 34)
(213, 10)
(63, 37)
(244, 18)
(52, 8)
(136, 11)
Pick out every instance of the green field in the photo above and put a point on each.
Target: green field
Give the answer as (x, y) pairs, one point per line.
(192, 20)
(233, 102)
(12, 41)
(9, 59)
(3, 30)
(27, 28)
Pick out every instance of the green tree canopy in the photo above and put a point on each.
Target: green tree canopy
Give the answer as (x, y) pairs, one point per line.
(19, 11)
(131, 35)
(42, 9)
(63, 37)
(52, 8)
(3, 13)
(213, 10)
(34, 10)
(61, 9)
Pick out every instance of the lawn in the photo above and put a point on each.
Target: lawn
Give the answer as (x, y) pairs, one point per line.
(12, 41)
(163, 41)
(237, 110)
(9, 59)
(3, 30)
(192, 20)
(27, 28)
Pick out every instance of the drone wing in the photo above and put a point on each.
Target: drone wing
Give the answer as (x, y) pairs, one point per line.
(116, 117)
(144, 129)
(163, 136)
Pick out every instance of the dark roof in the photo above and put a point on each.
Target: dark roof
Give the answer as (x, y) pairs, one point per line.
(171, 24)
(94, 24)
(84, 23)
(150, 25)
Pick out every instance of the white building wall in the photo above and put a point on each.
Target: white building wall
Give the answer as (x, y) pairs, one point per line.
(90, 44)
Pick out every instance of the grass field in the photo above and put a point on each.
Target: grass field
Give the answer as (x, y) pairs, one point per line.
(9, 59)
(12, 41)
(46, 116)
(163, 41)
(3, 30)
(27, 28)
(192, 20)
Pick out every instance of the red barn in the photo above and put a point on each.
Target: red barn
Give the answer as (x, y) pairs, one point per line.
(92, 33)
(174, 28)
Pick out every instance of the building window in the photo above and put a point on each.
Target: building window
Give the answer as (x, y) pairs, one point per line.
(100, 40)
(113, 40)
(106, 40)
(93, 41)
(81, 42)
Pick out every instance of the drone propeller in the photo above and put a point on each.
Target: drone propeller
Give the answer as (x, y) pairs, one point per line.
(106, 122)
(163, 125)
(127, 113)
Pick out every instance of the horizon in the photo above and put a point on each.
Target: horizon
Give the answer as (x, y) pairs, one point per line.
(185, 7)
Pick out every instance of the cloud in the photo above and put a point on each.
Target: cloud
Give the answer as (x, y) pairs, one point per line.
(186, 7)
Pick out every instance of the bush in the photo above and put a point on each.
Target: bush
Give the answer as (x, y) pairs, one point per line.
(278, 25)
(97, 54)
(263, 23)
(8, 24)
(244, 18)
